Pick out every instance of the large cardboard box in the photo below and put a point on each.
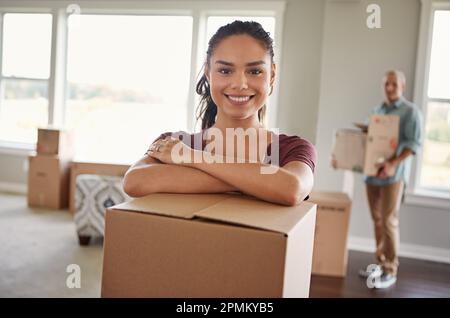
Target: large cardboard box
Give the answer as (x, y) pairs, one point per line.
(207, 245)
(359, 151)
(53, 141)
(79, 167)
(382, 140)
(330, 240)
(48, 182)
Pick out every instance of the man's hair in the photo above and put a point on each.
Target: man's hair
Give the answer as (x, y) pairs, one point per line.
(399, 74)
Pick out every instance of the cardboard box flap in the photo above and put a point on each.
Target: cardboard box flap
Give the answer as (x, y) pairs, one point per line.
(248, 211)
(171, 204)
(329, 197)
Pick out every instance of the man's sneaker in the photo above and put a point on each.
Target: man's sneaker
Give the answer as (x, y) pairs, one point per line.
(384, 281)
(372, 270)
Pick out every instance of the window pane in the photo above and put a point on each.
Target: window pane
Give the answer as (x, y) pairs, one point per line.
(439, 80)
(436, 155)
(23, 108)
(128, 83)
(26, 45)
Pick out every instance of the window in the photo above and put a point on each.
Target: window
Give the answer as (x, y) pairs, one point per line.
(25, 69)
(435, 165)
(127, 83)
(118, 76)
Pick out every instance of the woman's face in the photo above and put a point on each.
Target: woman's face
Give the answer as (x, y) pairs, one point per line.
(240, 75)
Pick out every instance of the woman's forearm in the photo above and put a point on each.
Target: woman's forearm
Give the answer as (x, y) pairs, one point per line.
(280, 187)
(152, 178)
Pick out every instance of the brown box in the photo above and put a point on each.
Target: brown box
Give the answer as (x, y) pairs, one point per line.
(360, 151)
(207, 245)
(52, 141)
(330, 240)
(48, 182)
(91, 168)
(349, 149)
(382, 140)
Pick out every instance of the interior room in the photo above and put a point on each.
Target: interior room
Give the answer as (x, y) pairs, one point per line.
(354, 93)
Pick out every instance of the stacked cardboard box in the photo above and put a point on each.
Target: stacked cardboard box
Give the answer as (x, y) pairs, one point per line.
(207, 245)
(49, 169)
(330, 238)
(360, 151)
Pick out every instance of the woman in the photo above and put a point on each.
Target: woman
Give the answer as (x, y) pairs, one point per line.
(239, 74)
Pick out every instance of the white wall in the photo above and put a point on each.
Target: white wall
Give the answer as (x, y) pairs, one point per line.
(354, 59)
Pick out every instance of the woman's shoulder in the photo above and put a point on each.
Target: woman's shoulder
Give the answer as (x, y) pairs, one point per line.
(296, 148)
(293, 140)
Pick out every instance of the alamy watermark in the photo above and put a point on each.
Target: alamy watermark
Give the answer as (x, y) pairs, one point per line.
(373, 20)
(241, 146)
(73, 280)
(73, 11)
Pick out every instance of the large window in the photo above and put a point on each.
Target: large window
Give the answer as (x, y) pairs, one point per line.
(435, 166)
(128, 79)
(118, 76)
(25, 68)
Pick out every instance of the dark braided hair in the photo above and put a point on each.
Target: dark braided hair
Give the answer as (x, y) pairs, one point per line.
(207, 109)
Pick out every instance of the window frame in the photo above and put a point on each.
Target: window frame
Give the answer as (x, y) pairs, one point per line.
(417, 194)
(9, 147)
(198, 10)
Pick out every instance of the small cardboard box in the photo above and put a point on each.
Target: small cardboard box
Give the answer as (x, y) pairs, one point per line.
(48, 182)
(359, 151)
(207, 245)
(79, 167)
(52, 141)
(330, 240)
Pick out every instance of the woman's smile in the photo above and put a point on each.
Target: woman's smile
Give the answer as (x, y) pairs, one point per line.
(239, 100)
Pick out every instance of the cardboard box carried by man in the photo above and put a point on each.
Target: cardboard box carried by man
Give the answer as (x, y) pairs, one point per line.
(361, 150)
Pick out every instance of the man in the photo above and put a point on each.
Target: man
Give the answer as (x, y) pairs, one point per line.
(385, 193)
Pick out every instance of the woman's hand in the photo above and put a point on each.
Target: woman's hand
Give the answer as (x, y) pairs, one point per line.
(170, 151)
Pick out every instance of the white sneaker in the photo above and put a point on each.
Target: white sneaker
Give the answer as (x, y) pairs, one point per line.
(372, 270)
(384, 281)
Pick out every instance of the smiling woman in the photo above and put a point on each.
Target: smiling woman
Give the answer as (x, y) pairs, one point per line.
(239, 75)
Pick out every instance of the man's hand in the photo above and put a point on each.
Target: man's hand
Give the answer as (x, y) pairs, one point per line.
(387, 168)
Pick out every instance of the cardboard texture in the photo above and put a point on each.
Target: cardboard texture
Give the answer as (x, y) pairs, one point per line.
(382, 140)
(207, 245)
(48, 182)
(331, 233)
(359, 151)
(349, 149)
(52, 141)
(91, 168)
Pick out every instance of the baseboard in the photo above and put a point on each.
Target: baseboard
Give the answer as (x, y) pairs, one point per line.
(13, 187)
(422, 252)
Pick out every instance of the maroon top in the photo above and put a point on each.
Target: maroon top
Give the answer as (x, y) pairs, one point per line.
(291, 148)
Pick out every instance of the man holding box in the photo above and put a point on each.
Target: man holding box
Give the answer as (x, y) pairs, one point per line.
(385, 192)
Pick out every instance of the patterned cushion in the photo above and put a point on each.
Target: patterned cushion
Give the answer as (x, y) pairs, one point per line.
(95, 193)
